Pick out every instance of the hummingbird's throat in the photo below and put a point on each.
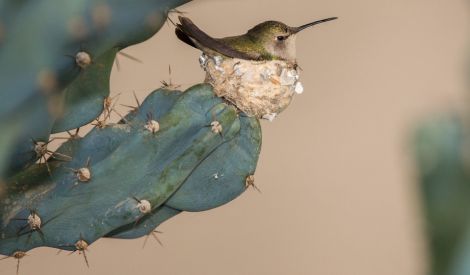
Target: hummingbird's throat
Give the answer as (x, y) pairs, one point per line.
(260, 89)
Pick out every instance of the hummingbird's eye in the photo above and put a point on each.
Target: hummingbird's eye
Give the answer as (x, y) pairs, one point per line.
(281, 37)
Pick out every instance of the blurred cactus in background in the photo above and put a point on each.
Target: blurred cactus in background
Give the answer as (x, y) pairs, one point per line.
(177, 151)
(442, 151)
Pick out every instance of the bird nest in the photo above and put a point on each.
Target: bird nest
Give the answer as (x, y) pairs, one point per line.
(260, 89)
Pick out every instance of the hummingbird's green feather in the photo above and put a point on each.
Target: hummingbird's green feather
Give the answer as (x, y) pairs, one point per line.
(247, 44)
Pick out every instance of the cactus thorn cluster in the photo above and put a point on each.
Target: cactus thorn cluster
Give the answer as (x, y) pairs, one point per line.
(17, 255)
(216, 127)
(83, 59)
(34, 221)
(152, 125)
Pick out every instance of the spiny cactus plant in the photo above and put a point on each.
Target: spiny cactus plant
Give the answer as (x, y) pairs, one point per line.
(177, 151)
(55, 61)
(442, 150)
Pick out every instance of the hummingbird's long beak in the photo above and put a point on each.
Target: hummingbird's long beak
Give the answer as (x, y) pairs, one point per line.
(298, 29)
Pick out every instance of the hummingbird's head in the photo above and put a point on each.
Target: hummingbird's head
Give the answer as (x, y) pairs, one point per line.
(278, 39)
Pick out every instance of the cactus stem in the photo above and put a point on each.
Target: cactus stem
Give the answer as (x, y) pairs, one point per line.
(250, 182)
(154, 235)
(83, 59)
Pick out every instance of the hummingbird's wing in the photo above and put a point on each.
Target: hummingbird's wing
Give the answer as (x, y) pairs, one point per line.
(190, 34)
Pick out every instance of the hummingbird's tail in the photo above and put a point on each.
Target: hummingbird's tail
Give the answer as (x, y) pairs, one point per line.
(184, 37)
(190, 34)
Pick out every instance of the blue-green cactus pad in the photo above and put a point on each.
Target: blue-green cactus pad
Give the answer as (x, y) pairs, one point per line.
(129, 163)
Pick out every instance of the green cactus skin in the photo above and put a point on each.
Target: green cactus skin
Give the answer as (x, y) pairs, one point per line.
(6, 139)
(460, 264)
(84, 96)
(155, 166)
(38, 44)
(445, 181)
(222, 176)
(146, 225)
(28, 129)
(157, 103)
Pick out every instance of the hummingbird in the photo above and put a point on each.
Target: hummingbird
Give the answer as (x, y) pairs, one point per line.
(270, 40)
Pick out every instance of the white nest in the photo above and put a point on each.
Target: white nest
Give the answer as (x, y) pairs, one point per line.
(261, 89)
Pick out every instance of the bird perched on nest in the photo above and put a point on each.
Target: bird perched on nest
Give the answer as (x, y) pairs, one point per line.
(270, 40)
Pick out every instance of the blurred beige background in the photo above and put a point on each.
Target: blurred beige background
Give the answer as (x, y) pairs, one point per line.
(338, 190)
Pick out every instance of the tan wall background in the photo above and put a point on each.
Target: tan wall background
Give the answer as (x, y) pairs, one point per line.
(338, 190)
